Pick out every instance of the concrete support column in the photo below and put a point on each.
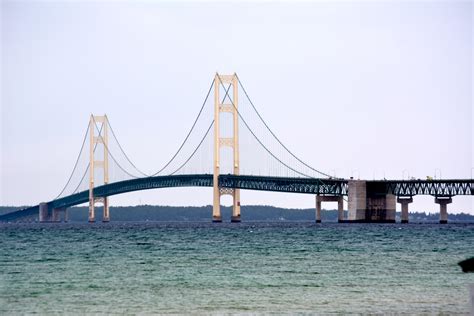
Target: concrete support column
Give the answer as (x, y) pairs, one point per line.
(404, 202)
(391, 208)
(235, 218)
(318, 209)
(66, 215)
(106, 214)
(91, 211)
(43, 213)
(357, 200)
(330, 198)
(340, 209)
(443, 209)
(56, 216)
(216, 210)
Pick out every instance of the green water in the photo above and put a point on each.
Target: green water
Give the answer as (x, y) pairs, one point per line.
(234, 268)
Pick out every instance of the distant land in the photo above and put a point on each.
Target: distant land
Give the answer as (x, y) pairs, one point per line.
(249, 213)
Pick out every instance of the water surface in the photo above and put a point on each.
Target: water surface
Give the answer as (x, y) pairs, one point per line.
(234, 268)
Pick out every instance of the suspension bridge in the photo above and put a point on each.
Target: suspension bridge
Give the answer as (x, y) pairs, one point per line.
(257, 160)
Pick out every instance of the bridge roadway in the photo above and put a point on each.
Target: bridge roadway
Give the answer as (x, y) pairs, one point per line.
(332, 187)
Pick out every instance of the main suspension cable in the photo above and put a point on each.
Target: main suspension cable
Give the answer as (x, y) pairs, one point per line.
(109, 152)
(123, 151)
(205, 135)
(88, 164)
(195, 150)
(82, 179)
(255, 136)
(189, 133)
(271, 132)
(77, 161)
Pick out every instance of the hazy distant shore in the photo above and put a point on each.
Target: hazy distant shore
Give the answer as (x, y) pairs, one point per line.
(250, 212)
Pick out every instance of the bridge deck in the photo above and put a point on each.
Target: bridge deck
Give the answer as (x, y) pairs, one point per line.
(261, 183)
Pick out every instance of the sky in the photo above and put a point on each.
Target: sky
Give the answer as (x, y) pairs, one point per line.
(365, 89)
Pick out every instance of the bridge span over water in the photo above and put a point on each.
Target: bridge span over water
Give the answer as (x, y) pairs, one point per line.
(109, 170)
(324, 189)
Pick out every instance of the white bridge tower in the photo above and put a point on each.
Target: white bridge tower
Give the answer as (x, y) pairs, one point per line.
(232, 142)
(103, 139)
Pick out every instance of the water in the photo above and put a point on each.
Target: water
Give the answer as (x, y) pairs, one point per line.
(234, 268)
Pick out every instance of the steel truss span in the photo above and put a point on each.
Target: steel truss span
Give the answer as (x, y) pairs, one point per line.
(439, 188)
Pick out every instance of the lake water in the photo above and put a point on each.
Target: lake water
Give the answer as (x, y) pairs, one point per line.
(234, 268)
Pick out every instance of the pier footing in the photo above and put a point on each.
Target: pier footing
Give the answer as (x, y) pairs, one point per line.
(235, 219)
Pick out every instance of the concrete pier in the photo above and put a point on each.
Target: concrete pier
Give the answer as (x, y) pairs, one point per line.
(370, 202)
(56, 215)
(330, 198)
(235, 217)
(106, 212)
(357, 200)
(91, 208)
(51, 216)
(318, 209)
(404, 201)
(443, 209)
(44, 213)
(340, 209)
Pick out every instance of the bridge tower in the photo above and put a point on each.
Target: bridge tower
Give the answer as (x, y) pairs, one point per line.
(103, 139)
(232, 142)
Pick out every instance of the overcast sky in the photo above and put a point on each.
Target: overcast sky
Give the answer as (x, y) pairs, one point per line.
(368, 89)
